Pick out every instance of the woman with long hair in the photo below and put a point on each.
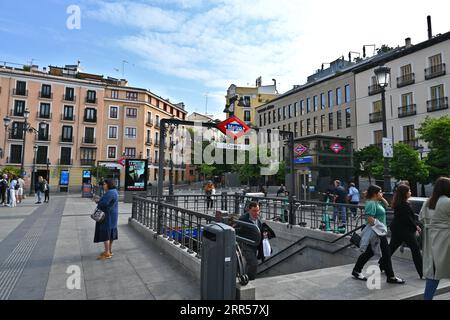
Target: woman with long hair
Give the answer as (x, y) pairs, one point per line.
(375, 209)
(404, 227)
(435, 215)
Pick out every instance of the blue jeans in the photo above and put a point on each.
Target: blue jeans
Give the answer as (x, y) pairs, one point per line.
(39, 196)
(343, 211)
(430, 289)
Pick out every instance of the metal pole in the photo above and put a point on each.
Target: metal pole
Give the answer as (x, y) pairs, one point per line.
(162, 133)
(422, 191)
(23, 146)
(386, 175)
(292, 177)
(33, 175)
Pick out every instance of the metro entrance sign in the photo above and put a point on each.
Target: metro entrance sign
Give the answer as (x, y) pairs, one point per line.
(233, 127)
(300, 149)
(336, 147)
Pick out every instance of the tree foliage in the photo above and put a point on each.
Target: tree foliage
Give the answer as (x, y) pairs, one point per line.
(369, 162)
(10, 171)
(406, 165)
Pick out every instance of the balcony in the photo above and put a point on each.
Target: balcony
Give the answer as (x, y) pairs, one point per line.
(65, 162)
(68, 118)
(69, 98)
(63, 139)
(91, 100)
(406, 80)
(375, 89)
(407, 111)
(88, 140)
(16, 113)
(413, 143)
(40, 115)
(437, 104)
(13, 160)
(16, 136)
(87, 162)
(90, 120)
(156, 143)
(149, 142)
(435, 71)
(157, 124)
(43, 138)
(21, 93)
(376, 117)
(45, 95)
(41, 161)
(149, 123)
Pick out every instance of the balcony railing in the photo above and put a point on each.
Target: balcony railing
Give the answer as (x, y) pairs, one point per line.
(149, 123)
(374, 89)
(437, 104)
(41, 161)
(91, 100)
(376, 117)
(156, 143)
(87, 162)
(43, 138)
(23, 93)
(406, 80)
(149, 142)
(45, 95)
(157, 124)
(65, 162)
(90, 120)
(67, 118)
(406, 111)
(88, 140)
(413, 143)
(16, 136)
(15, 113)
(68, 98)
(435, 71)
(40, 115)
(66, 139)
(14, 160)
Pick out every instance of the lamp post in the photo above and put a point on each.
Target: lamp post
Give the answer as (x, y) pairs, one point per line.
(26, 114)
(33, 174)
(421, 152)
(382, 74)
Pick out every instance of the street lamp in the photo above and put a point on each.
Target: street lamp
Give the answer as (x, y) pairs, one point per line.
(382, 74)
(33, 174)
(421, 152)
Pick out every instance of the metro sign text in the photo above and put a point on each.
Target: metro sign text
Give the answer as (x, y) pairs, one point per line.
(300, 149)
(336, 147)
(233, 127)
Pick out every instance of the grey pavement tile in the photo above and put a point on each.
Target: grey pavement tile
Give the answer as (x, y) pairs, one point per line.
(173, 290)
(115, 286)
(65, 294)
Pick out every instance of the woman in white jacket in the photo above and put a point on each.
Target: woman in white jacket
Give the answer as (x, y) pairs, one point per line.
(435, 215)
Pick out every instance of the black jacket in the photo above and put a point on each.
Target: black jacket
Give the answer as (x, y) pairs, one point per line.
(404, 219)
(263, 227)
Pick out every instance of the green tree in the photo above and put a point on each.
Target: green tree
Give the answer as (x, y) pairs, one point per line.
(281, 174)
(384, 48)
(436, 132)
(250, 172)
(369, 162)
(406, 165)
(10, 171)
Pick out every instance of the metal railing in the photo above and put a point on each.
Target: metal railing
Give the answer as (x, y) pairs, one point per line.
(40, 115)
(406, 111)
(67, 118)
(406, 80)
(69, 98)
(375, 89)
(45, 95)
(435, 71)
(437, 104)
(23, 93)
(375, 117)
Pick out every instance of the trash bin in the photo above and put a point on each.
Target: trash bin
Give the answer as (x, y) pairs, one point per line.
(218, 265)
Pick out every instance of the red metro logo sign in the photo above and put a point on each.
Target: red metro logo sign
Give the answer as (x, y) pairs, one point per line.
(233, 127)
(336, 148)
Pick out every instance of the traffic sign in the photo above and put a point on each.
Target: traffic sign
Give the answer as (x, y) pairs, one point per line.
(233, 127)
(300, 149)
(122, 162)
(388, 151)
(336, 147)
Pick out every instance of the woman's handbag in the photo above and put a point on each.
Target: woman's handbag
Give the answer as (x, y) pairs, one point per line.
(98, 215)
(355, 239)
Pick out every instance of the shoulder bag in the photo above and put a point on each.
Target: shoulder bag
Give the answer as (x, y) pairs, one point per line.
(98, 215)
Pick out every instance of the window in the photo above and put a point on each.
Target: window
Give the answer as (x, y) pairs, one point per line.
(339, 119)
(155, 177)
(406, 70)
(269, 117)
(147, 153)
(302, 107)
(295, 109)
(315, 125)
(308, 105)
(66, 156)
(407, 99)
(44, 111)
(338, 96)
(409, 133)
(130, 152)
(89, 135)
(437, 92)
(322, 123)
(290, 111)
(247, 115)
(308, 127)
(15, 155)
(295, 129)
(19, 108)
(131, 113)
(68, 113)
(284, 113)
(133, 96)
(330, 122)
(315, 103)
(113, 112)
(149, 136)
(130, 133)
(156, 156)
(149, 117)
(43, 132)
(91, 96)
(435, 60)
(90, 115)
(302, 125)
(330, 99)
(157, 121)
(112, 152)
(322, 101)
(70, 94)
(378, 137)
(289, 127)
(17, 130)
(115, 95)
(247, 101)
(265, 118)
(347, 94)
(46, 91)
(41, 155)
(348, 118)
(21, 88)
(377, 106)
(112, 132)
(279, 114)
(88, 156)
(67, 134)
(260, 120)
(156, 137)
(274, 116)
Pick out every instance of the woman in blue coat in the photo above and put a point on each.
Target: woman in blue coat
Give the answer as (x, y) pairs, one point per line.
(106, 231)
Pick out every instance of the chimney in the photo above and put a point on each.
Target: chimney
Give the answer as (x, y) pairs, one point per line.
(430, 31)
(408, 42)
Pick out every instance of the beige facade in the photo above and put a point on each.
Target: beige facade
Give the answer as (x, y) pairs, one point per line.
(419, 88)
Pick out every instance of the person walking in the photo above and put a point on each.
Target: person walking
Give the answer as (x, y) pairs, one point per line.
(21, 183)
(353, 196)
(209, 191)
(3, 189)
(46, 191)
(106, 231)
(281, 190)
(404, 228)
(39, 189)
(13, 186)
(435, 215)
(340, 198)
(375, 211)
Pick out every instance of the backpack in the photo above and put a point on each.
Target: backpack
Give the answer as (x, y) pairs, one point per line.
(16, 187)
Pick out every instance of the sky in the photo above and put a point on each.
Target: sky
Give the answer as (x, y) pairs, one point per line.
(193, 50)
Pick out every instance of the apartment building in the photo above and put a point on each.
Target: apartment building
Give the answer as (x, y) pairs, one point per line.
(80, 119)
(419, 88)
